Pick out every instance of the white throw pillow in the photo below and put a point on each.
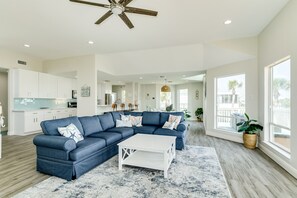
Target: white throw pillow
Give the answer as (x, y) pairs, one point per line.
(169, 125)
(122, 123)
(125, 117)
(136, 121)
(71, 131)
(175, 119)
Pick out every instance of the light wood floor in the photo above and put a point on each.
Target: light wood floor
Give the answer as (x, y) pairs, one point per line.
(249, 173)
(17, 166)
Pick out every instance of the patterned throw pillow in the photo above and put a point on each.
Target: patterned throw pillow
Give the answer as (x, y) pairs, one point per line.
(71, 131)
(125, 117)
(169, 125)
(136, 121)
(122, 123)
(175, 119)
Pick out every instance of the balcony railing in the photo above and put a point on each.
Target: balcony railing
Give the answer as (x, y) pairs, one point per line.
(228, 118)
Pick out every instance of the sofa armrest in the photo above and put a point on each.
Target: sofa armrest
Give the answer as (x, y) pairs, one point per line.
(182, 126)
(55, 142)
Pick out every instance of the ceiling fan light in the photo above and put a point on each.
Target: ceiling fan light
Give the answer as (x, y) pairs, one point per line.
(165, 88)
(117, 9)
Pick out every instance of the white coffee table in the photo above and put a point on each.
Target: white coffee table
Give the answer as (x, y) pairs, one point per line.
(147, 151)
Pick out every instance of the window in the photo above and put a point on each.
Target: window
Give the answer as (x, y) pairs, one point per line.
(165, 100)
(183, 99)
(230, 101)
(280, 104)
(123, 96)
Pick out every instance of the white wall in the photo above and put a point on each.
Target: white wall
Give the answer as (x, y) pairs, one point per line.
(148, 92)
(86, 75)
(249, 68)
(277, 41)
(9, 59)
(4, 96)
(162, 60)
(193, 103)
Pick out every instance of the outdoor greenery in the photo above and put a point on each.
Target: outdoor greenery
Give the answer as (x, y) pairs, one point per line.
(249, 126)
(233, 85)
(278, 85)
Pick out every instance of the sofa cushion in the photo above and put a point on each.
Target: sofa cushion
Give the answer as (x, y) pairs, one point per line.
(165, 116)
(87, 147)
(109, 137)
(123, 123)
(151, 118)
(169, 132)
(106, 121)
(116, 115)
(90, 124)
(145, 129)
(50, 127)
(71, 132)
(133, 113)
(124, 131)
(168, 125)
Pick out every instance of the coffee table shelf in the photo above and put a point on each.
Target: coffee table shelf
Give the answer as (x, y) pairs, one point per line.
(148, 151)
(146, 159)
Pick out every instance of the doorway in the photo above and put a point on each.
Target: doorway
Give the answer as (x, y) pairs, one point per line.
(4, 98)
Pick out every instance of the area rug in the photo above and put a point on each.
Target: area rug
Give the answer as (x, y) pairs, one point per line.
(196, 172)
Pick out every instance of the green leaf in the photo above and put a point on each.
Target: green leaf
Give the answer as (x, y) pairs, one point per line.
(247, 117)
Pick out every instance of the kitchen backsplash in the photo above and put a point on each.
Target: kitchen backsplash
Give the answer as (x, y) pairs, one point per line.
(32, 103)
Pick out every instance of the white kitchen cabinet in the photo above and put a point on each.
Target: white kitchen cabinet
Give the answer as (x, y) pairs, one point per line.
(64, 88)
(62, 113)
(49, 115)
(72, 112)
(48, 86)
(26, 84)
(27, 122)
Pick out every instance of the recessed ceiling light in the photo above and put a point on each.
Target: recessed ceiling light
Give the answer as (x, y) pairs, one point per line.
(91, 42)
(140, 78)
(26, 45)
(227, 22)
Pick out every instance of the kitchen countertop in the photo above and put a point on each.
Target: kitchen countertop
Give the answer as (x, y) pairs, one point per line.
(30, 110)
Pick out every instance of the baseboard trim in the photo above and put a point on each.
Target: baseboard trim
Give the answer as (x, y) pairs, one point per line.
(235, 137)
(288, 167)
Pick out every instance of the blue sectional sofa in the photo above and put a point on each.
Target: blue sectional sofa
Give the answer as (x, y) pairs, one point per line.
(64, 158)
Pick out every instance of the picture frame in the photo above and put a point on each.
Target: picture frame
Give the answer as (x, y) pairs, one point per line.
(85, 91)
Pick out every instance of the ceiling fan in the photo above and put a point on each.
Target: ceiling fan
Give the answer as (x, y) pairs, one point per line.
(119, 7)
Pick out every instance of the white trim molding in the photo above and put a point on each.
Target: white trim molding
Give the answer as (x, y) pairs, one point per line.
(267, 149)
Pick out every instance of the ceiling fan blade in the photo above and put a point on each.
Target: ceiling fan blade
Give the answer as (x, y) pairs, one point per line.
(141, 11)
(121, 1)
(105, 16)
(126, 2)
(124, 17)
(91, 3)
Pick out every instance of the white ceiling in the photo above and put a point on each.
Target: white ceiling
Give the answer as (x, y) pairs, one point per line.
(59, 28)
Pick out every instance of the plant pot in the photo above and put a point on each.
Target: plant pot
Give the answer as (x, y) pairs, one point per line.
(250, 140)
(199, 119)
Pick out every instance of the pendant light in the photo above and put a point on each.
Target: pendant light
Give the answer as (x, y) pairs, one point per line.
(165, 87)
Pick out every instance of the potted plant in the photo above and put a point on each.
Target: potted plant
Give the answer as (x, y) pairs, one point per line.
(199, 114)
(250, 129)
(187, 114)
